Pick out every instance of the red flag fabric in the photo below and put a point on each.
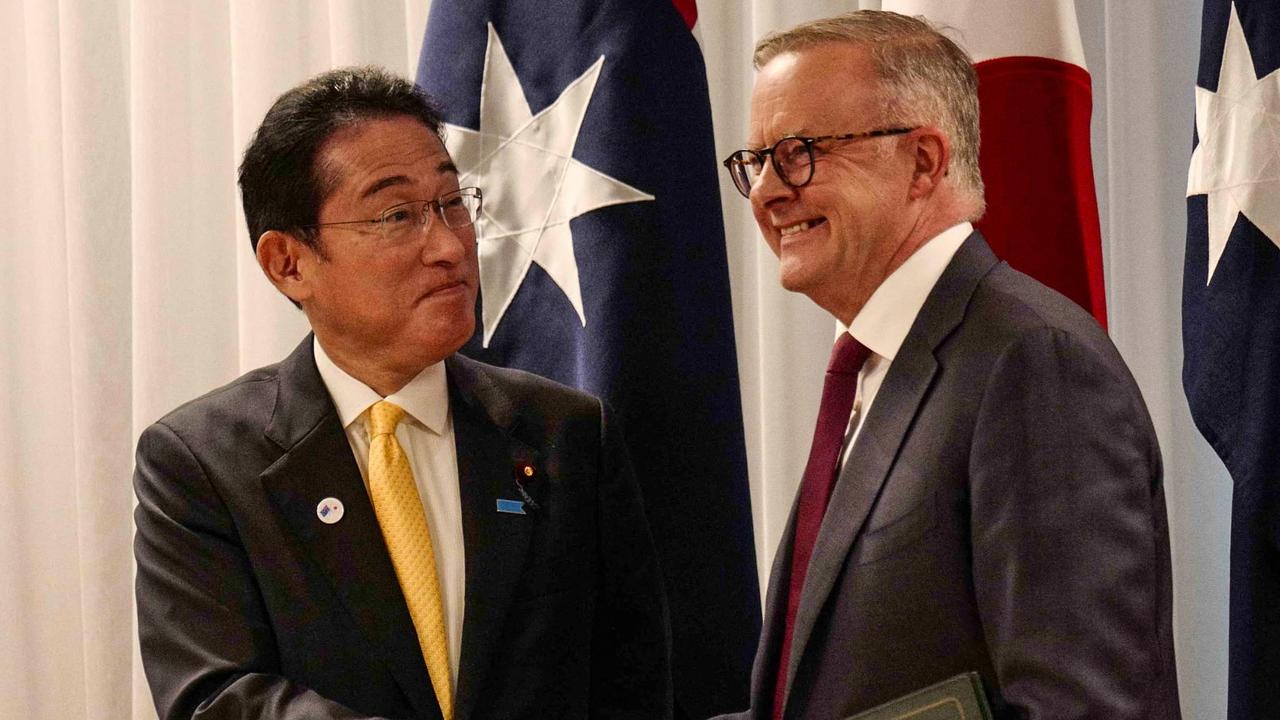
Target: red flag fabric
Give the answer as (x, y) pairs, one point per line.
(688, 10)
(1036, 102)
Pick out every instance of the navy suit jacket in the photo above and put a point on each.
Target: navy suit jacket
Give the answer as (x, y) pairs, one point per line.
(250, 606)
(1001, 511)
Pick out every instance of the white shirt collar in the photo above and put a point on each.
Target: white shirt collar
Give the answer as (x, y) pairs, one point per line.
(883, 323)
(425, 398)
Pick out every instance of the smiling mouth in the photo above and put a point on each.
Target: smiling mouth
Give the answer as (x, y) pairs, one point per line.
(801, 226)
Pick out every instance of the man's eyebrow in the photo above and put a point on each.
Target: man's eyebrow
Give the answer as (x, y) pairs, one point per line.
(799, 133)
(383, 184)
(446, 166)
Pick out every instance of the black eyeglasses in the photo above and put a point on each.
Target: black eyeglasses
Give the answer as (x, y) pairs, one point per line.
(458, 209)
(792, 158)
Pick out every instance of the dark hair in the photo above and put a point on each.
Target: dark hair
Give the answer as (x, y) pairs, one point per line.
(281, 185)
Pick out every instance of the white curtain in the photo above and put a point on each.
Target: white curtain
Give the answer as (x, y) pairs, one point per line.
(127, 287)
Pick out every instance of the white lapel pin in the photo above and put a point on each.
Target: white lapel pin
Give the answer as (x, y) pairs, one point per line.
(330, 510)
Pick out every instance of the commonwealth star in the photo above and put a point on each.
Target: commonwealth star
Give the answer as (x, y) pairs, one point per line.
(532, 184)
(1237, 163)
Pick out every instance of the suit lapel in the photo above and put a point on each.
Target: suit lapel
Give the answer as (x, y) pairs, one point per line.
(765, 668)
(883, 433)
(858, 486)
(489, 450)
(318, 464)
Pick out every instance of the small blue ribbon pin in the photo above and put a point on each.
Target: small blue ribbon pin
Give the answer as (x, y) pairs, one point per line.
(515, 507)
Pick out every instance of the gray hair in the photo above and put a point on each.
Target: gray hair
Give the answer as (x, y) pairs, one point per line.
(923, 76)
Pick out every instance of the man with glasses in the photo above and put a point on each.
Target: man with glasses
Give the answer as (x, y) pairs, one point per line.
(984, 489)
(377, 526)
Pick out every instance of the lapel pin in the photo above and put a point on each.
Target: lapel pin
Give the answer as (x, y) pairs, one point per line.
(524, 473)
(330, 510)
(514, 507)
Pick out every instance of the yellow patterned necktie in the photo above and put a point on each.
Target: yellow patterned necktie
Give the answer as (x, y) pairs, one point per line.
(408, 537)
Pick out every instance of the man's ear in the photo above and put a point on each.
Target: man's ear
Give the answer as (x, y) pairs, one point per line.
(285, 260)
(932, 160)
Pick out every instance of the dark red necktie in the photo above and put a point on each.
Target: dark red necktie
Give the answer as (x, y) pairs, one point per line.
(819, 478)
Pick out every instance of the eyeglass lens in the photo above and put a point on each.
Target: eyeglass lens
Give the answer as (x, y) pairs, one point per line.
(457, 210)
(791, 157)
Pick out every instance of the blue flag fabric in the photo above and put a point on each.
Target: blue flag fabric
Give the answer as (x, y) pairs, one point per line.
(1231, 320)
(603, 266)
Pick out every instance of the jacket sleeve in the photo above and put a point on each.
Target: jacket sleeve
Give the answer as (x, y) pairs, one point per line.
(631, 638)
(1070, 543)
(207, 646)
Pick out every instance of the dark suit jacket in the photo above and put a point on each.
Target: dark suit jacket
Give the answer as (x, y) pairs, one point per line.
(1001, 511)
(249, 606)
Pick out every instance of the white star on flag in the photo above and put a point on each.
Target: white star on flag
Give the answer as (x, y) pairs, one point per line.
(532, 185)
(1237, 163)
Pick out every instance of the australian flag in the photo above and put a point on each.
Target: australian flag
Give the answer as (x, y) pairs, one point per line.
(603, 266)
(1231, 319)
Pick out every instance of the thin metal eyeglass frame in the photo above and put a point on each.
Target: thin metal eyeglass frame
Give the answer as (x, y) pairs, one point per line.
(436, 206)
(736, 166)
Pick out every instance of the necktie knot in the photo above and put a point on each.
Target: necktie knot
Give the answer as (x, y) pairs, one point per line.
(383, 418)
(847, 356)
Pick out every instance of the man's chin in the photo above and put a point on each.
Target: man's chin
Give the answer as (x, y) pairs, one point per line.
(445, 340)
(794, 279)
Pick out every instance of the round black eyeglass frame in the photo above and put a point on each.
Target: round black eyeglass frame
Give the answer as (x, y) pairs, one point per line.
(740, 163)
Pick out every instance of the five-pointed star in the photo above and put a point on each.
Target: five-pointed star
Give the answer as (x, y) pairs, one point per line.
(532, 185)
(1237, 162)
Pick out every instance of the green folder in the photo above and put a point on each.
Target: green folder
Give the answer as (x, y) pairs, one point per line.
(958, 698)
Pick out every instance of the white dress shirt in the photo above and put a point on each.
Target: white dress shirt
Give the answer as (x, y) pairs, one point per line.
(883, 323)
(426, 434)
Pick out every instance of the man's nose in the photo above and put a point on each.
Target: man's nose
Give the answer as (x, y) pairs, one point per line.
(769, 186)
(445, 245)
